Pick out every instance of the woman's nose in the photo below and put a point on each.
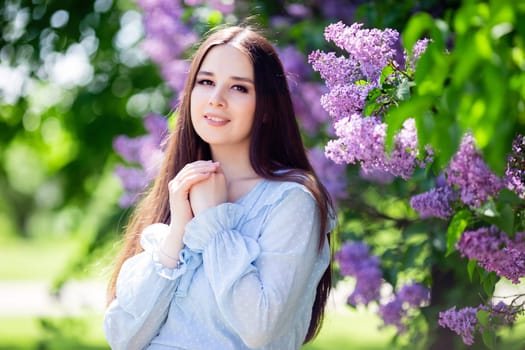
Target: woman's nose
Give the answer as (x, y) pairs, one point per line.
(217, 98)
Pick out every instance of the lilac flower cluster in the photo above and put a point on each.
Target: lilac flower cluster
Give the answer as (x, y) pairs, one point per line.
(355, 260)
(333, 176)
(397, 312)
(464, 322)
(515, 173)
(495, 251)
(437, 202)
(145, 153)
(473, 178)
(350, 80)
(167, 38)
(363, 139)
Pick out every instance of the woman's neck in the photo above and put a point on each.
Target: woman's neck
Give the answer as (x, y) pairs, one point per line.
(234, 163)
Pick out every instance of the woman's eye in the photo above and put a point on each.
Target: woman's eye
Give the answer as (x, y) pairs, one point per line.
(240, 88)
(205, 82)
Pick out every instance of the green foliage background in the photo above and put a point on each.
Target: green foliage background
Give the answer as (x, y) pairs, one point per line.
(56, 156)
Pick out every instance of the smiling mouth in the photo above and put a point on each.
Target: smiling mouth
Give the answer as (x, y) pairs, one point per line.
(215, 120)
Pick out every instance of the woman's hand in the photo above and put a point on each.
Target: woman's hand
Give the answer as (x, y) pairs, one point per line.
(180, 209)
(208, 193)
(180, 187)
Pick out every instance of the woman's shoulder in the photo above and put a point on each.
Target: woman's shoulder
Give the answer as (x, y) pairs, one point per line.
(278, 190)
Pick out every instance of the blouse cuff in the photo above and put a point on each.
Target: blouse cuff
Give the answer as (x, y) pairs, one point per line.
(151, 238)
(205, 226)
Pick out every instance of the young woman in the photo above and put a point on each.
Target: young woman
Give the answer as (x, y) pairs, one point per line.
(229, 249)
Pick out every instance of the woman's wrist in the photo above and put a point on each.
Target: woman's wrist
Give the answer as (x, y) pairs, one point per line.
(169, 249)
(167, 259)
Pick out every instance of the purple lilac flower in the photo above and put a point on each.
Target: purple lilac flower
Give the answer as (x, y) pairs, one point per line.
(134, 182)
(335, 70)
(515, 172)
(367, 287)
(363, 140)
(419, 48)
(331, 175)
(414, 294)
(435, 203)
(359, 139)
(504, 314)
(345, 101)
(224, 6)
(167, 38)
(495, 251)
(372, 48)
(409, 297)
(467, 170)
(337, 9)
(354, 260)
(145, 154)
(463, 322)
(349, 80)
(308, 107)
(403, 159)
(298, 10)
(393, 314)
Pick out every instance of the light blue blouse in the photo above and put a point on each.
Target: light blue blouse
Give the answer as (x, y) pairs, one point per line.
(246, 279)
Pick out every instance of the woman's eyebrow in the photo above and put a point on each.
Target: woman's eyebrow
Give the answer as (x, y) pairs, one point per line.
(244, 79)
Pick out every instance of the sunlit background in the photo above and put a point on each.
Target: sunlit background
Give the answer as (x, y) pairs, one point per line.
(86, 90)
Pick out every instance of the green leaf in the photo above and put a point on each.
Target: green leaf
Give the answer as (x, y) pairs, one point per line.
(489, 338)
(456, 227)
(471, 267)
(506, 219)
(412, 108)
(371, 104)
(422, 23)
(385, 73)
(483, 318)
(489, 283)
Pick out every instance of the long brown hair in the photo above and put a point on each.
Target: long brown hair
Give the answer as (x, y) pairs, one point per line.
(275, 145)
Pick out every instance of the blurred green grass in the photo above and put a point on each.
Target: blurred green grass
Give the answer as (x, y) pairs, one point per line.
(342, 330)
(22, 260)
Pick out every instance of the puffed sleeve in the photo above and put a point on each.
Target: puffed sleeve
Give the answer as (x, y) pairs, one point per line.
(143, 293)
(258, 283)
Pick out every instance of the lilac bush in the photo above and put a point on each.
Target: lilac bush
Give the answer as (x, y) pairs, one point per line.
(354, 259)
(372, 77)
(144, 155)
(350, 80)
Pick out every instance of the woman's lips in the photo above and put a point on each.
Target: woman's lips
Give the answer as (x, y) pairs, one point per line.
(215, 120)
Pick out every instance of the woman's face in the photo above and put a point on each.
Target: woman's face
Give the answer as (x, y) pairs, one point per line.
(223, 98)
